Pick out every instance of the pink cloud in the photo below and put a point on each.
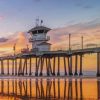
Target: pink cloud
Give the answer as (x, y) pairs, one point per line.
(20, 39)
(1, 17)
(90, 31)
(59, 37)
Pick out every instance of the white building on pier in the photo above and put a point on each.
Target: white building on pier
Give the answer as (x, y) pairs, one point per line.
(39, 38)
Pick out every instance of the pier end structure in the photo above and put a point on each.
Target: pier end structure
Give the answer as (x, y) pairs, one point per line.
(39, 38)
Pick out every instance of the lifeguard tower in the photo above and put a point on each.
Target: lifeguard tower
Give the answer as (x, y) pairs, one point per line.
(39, 38)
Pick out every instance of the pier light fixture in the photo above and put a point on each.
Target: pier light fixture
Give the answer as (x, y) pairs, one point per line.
(82, 41)
(69, 41)
(14, 48)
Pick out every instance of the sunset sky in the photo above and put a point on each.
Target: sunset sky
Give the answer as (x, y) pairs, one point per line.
(40, 73)
(78, 17)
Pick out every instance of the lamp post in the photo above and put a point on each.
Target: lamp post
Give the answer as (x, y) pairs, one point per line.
(69, 42)
(82, 41)
(27, 46)
(14, 48)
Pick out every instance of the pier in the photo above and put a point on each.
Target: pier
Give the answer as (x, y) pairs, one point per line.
(22, 63)
(46, 61)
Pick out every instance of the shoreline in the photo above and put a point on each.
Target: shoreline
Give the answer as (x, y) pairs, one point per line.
(50, 77)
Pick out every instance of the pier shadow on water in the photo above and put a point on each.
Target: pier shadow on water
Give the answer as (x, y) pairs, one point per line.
(49, 89)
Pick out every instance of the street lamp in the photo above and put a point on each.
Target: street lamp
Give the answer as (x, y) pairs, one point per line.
(82, 42)
(69, 42)
(14, 48)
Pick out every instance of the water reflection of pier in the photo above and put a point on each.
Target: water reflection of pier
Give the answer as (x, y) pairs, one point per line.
(42, 89)
(98, 89)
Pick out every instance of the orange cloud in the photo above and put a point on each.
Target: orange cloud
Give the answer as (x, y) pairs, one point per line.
(20, 39)
(59, 40)
(59, 37)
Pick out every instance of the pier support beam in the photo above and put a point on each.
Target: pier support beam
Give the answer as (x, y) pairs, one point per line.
(36, 63)
(2, 67)
(58, 73)
(70, 65)
(65, 65)
(8, 66)
(12, 66)
(54, 66)
(68, 61)
(30, 70)
(98, 64)
(76, 64)
(81, 63)
(47, 67)
(41, 67)
(20, 67)
(15, 66)
(26, 66)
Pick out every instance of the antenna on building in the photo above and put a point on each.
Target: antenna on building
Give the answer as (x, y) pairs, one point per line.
(37, 21)
(41, 23)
